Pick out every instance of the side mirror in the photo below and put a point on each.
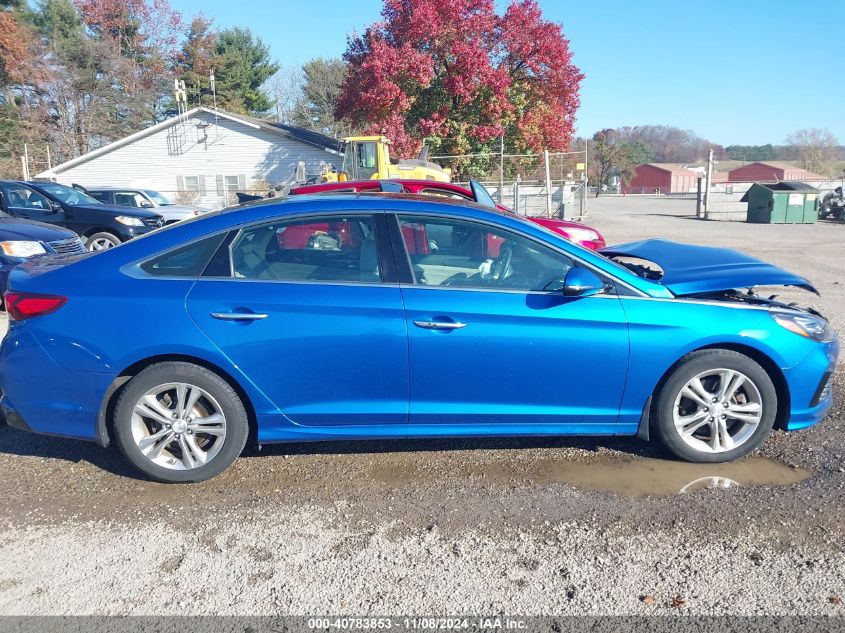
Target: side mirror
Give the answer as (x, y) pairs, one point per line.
(580, 282)
(55, 207)
(147, 205)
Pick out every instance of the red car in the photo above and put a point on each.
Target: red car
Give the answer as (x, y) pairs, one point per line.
(574, 231)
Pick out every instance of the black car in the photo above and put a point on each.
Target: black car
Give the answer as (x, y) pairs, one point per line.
(22, 239)
(100, 225)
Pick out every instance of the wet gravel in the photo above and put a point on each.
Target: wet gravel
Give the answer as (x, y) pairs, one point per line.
(437, 527)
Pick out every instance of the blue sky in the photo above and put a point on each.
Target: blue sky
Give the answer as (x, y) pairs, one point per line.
(741, 71)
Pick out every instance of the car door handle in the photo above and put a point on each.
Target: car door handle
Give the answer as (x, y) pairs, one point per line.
(440, 325)
(239, 316)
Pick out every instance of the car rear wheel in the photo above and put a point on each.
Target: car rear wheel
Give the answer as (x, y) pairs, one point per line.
(178, 422)
(102, 241)
(716, 406)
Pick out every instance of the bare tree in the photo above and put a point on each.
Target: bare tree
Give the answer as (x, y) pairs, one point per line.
(815, 148)
(285, 90)
(321, 90)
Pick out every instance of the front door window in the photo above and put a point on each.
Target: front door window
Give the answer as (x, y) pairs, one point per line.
(456, 253)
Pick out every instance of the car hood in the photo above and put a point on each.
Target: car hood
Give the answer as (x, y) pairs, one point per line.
(692, 270)
(115, 210)
(178, 207)
(20, 229)
(562, 224)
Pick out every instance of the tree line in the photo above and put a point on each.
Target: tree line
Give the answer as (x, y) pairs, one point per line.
(466, 80)
(77, 75)
(616, 152)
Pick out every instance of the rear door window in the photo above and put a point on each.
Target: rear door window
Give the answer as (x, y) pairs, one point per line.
(102, 196)
(128, 199)
(329, 249)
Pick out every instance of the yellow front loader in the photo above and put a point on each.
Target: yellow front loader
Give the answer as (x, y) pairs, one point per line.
(368, 157)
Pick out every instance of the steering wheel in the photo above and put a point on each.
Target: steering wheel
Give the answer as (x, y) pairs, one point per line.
(502, 265)
(455, 279)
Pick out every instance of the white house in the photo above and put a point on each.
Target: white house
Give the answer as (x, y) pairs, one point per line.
(203, 157)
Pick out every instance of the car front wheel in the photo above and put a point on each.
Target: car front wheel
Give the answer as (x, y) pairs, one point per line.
(102, 241)
(716, 406)
(178, 422)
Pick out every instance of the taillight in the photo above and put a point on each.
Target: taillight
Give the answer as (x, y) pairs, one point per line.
(25, 305)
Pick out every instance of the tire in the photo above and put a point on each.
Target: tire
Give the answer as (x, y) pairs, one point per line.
(681, 407)
(199, 442)
(100, 241)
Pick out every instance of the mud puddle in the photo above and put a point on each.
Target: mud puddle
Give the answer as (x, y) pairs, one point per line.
(644, 477)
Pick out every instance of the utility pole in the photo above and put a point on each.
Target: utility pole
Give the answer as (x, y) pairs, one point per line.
(25, 162)
(548, 184)
(707, 181)
(501, 167)
(586, 179)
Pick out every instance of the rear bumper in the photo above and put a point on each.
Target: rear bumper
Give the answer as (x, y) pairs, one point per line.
(40, 396)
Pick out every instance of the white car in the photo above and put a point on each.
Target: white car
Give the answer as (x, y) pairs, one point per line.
(145, 199)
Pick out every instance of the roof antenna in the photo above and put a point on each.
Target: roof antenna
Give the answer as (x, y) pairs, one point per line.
(214, 97)
(181, 96)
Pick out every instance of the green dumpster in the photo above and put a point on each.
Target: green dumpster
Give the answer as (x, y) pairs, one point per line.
(782, 203)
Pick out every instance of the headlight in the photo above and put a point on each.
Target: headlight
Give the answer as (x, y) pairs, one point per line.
(14, 248)
(129, 220)
(580, 235)
(806, 325)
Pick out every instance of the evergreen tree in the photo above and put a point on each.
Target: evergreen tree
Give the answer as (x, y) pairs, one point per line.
(243, 65)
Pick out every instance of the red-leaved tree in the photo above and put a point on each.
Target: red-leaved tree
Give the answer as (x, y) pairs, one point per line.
(455, 72)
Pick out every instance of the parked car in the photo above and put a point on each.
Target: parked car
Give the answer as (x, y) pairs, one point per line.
(22, 239)
(100, 225)
(577, 232)
(319, 317)
(144, 199)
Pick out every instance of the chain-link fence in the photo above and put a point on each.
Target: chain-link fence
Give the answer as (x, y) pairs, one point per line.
(725, 198)
(551, 184)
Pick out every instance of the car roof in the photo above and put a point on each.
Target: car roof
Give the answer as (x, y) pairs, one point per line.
(406, 198)
(345, 201)
(376, 182)
(111, 188)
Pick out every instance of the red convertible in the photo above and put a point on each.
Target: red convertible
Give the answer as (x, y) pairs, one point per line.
(573, 231)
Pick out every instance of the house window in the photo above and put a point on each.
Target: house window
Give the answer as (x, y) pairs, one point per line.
(192, 187)
(192, 183)
(228, 185)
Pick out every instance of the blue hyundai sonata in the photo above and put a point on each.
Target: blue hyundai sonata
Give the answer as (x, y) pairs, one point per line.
(391, 316)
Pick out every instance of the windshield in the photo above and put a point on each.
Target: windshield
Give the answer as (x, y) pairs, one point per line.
(156, 197)
(360, 160)
(65, 194)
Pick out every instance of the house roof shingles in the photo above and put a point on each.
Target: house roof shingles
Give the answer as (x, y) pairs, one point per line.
(303, 135)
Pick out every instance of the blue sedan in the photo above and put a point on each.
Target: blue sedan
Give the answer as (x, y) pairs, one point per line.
(390, 316)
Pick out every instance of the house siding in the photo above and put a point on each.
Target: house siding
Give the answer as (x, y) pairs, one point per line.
(200, 152)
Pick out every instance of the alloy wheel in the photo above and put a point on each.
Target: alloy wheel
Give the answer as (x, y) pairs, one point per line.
(178, 426)
(717, 410)
(99, 244)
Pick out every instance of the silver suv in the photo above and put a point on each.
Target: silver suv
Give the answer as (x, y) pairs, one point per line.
(145, 199)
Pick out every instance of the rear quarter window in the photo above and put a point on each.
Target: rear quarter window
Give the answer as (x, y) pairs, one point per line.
(184, 261)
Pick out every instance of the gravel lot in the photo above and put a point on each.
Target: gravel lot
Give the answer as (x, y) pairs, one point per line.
(444, 527)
